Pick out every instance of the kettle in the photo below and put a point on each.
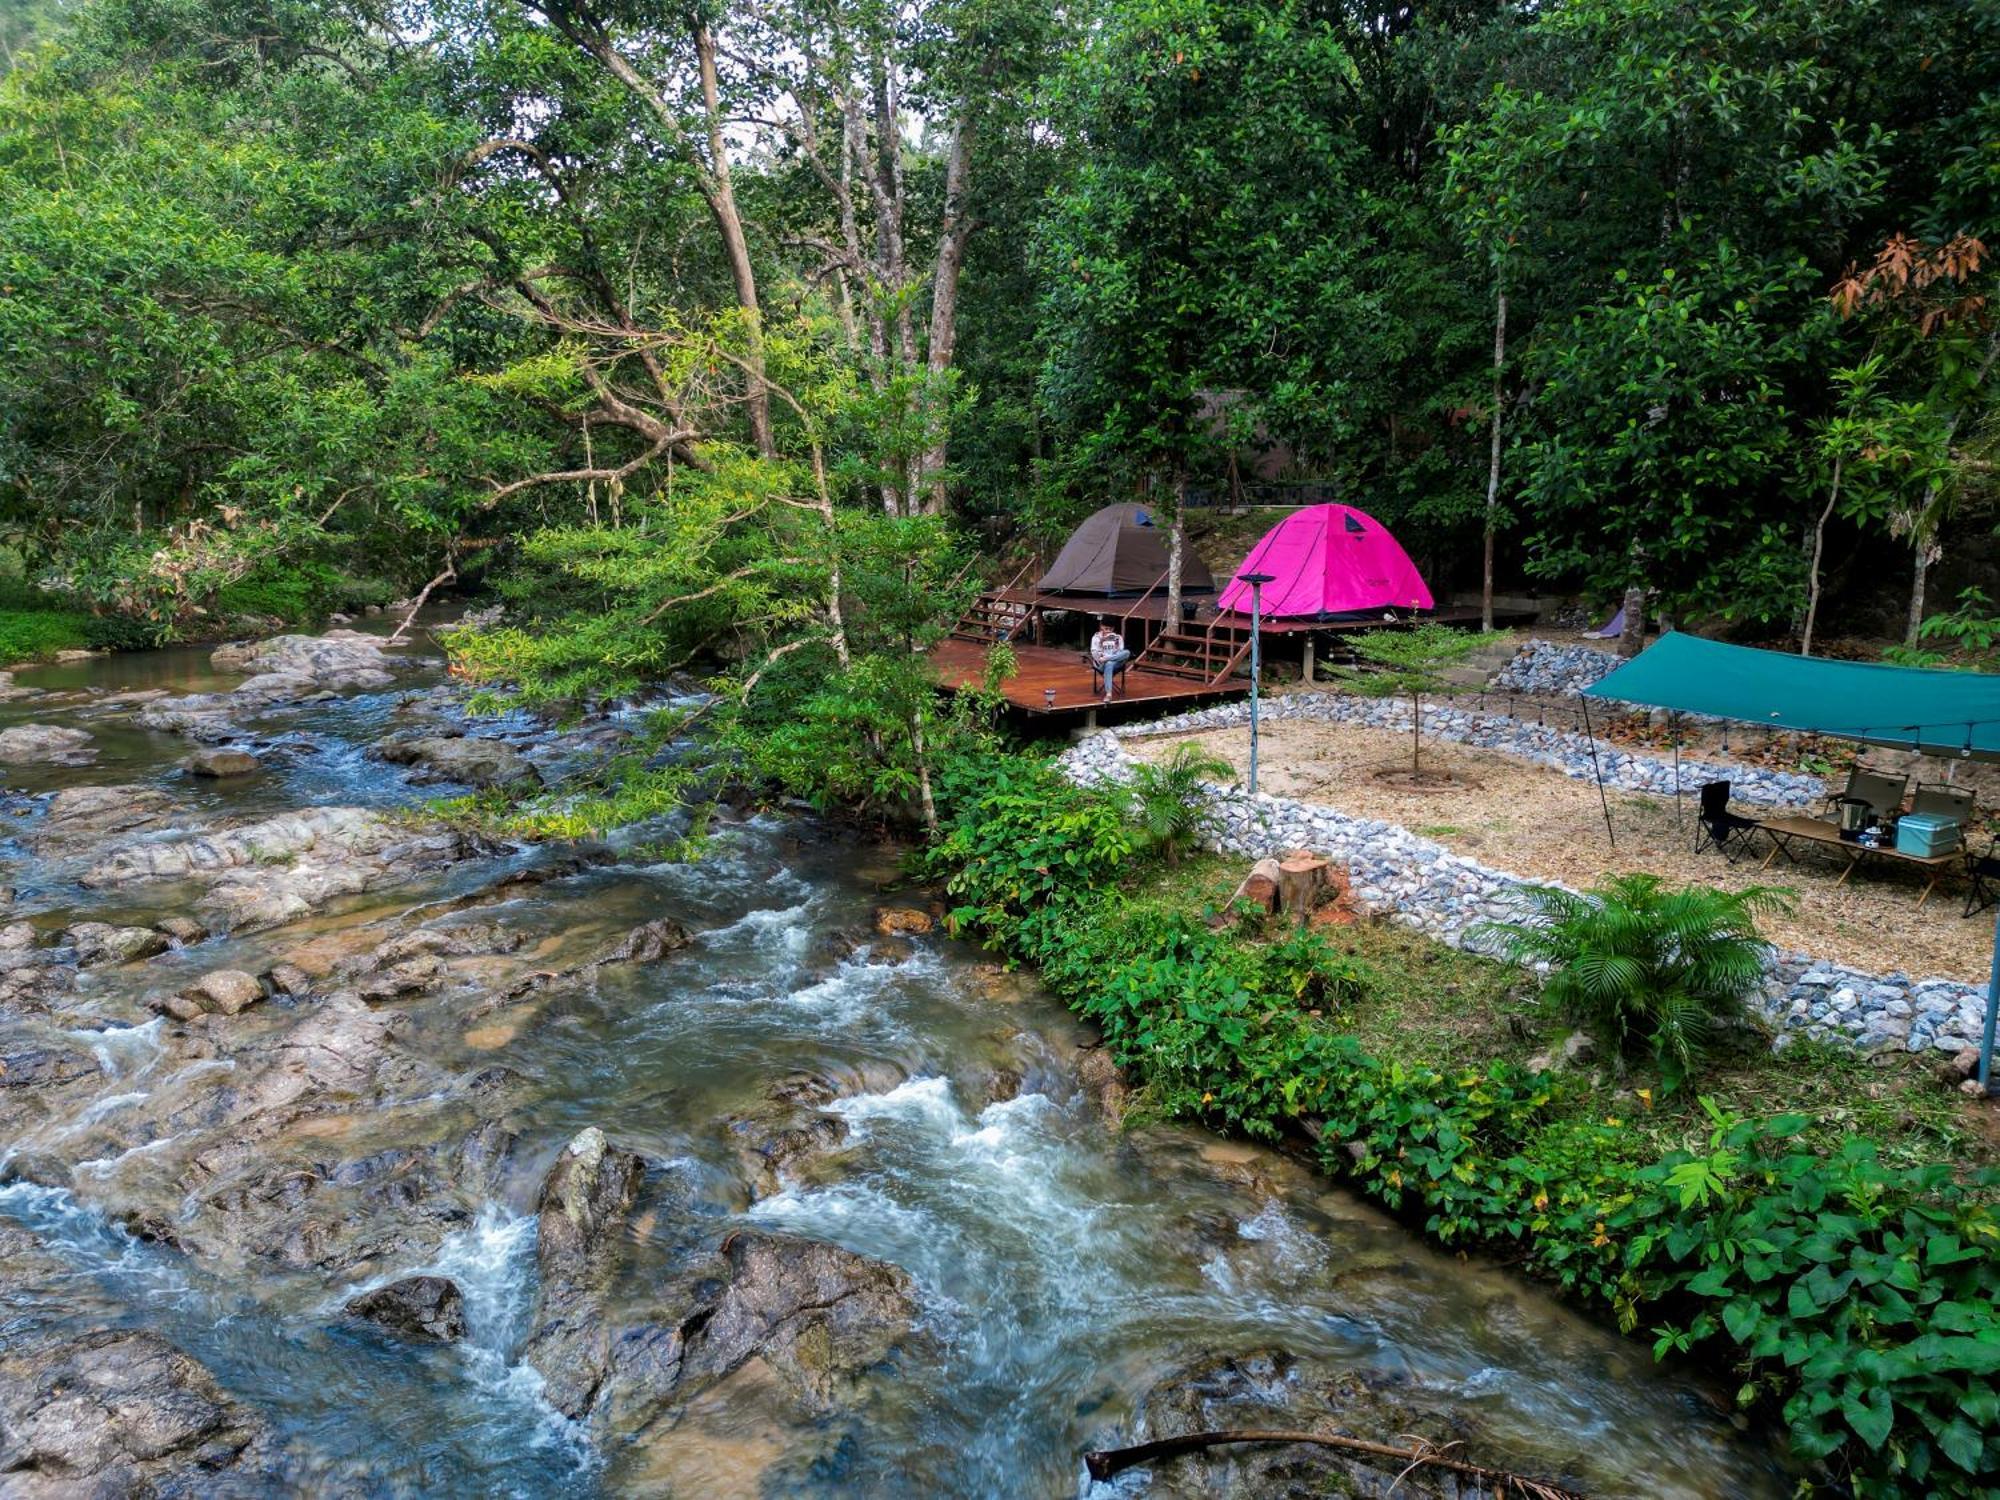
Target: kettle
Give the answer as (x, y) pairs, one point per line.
(1853, 815)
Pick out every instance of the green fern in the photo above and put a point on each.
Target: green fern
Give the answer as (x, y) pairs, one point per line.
(1647, 968)
(1166, 798)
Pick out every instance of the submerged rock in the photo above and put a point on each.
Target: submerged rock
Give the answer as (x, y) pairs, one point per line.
(45, 744)
(100, 943)
(424, 1308)
(473, 762)
(649, 942)
(1270, 1389)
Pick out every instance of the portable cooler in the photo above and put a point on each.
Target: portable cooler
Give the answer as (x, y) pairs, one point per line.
(1927, 835)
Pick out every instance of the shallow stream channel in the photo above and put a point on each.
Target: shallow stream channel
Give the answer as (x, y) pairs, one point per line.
(342, 1153)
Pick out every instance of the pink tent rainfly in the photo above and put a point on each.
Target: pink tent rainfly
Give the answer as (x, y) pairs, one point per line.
(1329, 560)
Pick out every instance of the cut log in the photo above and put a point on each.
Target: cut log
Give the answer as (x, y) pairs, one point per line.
(1260, 887)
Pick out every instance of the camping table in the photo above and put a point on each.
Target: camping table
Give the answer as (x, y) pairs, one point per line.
(1784, 831)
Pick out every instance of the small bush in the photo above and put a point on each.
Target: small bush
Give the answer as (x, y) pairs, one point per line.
(1167, 799)
(1646, 968)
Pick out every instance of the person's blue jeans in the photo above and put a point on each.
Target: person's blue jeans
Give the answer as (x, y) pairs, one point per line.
(1109, 667)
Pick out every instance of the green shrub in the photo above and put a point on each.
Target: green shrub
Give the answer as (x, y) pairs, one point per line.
(26, 634)
(1167, 800)
(1646, 968)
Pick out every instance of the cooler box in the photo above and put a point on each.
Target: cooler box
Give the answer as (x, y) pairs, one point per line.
(1928, 834)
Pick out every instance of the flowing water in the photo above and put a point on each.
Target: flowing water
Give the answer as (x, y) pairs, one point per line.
(1064, 1267)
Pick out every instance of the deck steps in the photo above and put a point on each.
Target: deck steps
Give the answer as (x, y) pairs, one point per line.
(990, 618)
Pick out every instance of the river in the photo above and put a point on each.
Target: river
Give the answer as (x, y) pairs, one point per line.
(1065, 1272)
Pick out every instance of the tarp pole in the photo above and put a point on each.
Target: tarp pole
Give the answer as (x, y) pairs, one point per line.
(1992, 1005)
(1674, 734)
(1597, 771)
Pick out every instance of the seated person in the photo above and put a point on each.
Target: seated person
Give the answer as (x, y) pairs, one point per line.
(1108, 653)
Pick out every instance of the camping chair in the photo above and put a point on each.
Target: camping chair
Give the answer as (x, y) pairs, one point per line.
(1716, 825)
(1097, 674)
(1881, 791)
(1982, 873)
(1940, 799)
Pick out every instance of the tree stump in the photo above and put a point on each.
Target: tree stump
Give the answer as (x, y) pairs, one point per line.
(1303, 879)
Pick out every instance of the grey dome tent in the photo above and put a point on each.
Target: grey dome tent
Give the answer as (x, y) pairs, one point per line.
(1119, 550)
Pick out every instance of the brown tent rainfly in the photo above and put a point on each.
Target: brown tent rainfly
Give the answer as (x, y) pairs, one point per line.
(1120, 551)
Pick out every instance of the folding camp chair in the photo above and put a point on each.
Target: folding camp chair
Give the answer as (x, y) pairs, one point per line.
(1717, 826)
(1097, 674)
(1982, 873)
(1940, 799)
(1881, 791)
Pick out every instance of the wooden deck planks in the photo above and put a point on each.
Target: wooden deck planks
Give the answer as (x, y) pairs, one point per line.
(1061, 668)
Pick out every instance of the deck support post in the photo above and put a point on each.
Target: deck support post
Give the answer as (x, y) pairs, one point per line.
(1090, 721)
(1307, 673)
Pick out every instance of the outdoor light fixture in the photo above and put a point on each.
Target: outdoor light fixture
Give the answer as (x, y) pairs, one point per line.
(1256, 582)
(1048, 697)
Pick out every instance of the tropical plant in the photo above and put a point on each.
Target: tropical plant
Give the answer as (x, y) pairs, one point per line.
(1412, 661)
(1646, 967)
(1166, 799)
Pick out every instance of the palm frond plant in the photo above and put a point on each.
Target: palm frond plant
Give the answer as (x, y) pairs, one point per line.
(1647, 968)
(1167, 798)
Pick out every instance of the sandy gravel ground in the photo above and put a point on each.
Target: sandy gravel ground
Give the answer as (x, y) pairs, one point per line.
(1531, 820)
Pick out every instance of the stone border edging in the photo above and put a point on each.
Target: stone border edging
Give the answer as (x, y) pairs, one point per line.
(1560, 749)
(1424, 885)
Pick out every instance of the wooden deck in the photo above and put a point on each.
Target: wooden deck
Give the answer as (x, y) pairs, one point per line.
(1041, 668)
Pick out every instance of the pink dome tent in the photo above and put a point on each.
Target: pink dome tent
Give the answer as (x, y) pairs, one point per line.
(1328, 560)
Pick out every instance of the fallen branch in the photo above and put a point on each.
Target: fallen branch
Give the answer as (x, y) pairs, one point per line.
(449, 575)
(1114, 1461)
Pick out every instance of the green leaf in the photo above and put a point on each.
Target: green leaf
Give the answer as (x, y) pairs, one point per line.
(1869, 1413)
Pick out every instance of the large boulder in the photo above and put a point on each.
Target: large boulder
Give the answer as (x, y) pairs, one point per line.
(78, 816)
(219, 763)
(45, 744)
(301, 664)
(119, 1412)
(585, 1202)
(461, 758)
(425, 1309)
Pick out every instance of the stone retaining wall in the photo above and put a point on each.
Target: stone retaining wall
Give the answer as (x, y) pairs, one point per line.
(1424, 885)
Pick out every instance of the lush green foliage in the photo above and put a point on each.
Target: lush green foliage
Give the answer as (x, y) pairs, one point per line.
(1647, 968)
(1862, 1299)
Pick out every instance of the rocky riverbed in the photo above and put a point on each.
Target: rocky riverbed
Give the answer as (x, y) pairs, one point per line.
(343, 1151)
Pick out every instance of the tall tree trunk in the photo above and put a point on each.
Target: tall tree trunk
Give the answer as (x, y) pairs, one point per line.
(922, 759)
(1176, 549)
(1633, 637)
(1818, 547)
(1493, 459)
(722, 202)
(1929, 520)
(1919, 579)
(955, 231)
(712, 177)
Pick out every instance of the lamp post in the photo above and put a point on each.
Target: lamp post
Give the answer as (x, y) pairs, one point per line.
(1256, 582)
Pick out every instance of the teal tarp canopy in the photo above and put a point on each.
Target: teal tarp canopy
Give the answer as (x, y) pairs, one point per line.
(1910, 708)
